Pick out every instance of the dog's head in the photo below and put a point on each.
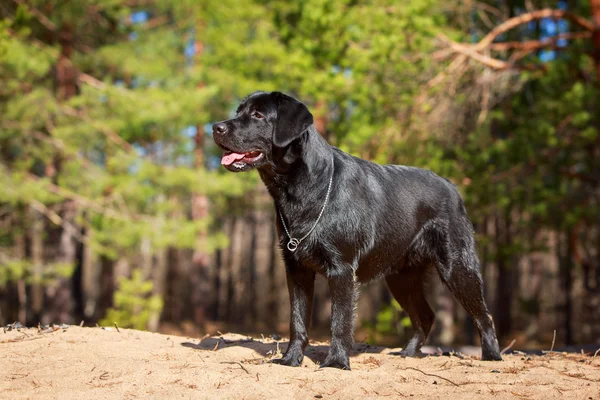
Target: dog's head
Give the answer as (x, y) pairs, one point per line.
(263, 123)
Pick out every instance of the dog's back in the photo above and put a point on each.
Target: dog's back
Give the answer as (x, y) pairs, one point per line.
(402, 213)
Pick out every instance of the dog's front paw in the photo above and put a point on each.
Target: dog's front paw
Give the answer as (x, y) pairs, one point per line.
(289, 359)
(491, 356)
(341, 362)
(410, 353)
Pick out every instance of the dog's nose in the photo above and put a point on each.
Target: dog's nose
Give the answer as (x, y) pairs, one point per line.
(220, 127)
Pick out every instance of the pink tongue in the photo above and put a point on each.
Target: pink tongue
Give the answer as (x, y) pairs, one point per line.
(230, 158)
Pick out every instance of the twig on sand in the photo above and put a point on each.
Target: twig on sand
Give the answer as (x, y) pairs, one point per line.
(595, 354)
(508, 347)
(559, 391)
(238, 363)
(204, 337)
(577, 375)
(116, 326)
(437, 376)
(551, 347)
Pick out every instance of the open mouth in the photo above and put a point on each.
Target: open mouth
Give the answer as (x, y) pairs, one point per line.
(239, 160)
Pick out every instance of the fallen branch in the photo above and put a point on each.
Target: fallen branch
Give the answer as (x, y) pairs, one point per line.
(238, 363)
(434, 375)
(577, 375)
(508, 347)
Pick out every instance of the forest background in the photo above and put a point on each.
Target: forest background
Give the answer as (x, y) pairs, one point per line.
(114, 208)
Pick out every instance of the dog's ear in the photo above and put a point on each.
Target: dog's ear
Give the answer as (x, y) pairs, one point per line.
(293, 118)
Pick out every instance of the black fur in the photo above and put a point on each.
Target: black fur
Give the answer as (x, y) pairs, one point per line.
(387, 221)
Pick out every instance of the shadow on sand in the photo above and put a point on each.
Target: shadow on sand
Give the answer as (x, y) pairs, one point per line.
(316, 353)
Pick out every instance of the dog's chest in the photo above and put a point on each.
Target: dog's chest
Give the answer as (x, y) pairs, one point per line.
(314, 256)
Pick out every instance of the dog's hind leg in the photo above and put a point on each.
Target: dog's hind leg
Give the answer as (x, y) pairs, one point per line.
(407, 288)
(466, 285)
(459, 270)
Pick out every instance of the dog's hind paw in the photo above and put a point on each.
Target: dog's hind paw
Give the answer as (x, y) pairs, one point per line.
(409, 353)
(290, 361)
(333, 362)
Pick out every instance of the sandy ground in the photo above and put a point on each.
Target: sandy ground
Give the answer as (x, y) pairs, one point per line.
(93, 363)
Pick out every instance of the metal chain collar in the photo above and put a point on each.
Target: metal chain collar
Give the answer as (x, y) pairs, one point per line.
(293, 243)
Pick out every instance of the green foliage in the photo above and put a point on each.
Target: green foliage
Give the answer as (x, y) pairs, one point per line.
(122, 145)
(133, 303)
(119, 145)
(12, 270)
(390, 320)
(540, 160)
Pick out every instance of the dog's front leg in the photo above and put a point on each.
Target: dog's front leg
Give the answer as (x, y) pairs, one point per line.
(301, 284)
(342, 287)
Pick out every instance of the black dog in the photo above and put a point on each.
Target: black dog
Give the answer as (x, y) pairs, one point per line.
(353, 221)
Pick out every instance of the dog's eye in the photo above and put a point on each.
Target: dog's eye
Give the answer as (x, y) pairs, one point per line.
(258, 115)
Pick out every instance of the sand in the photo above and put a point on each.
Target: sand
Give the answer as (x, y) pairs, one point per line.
(94, 363)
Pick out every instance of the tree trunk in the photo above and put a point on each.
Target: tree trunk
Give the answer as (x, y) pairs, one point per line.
(225, 274)
(175, 288)
(36, 233)
(159, 287)
(106, 287)
(89, 279)
(216, 305)
(444, 328)
(19, 252)
(65, 77)
(252, 297)
(566, 283)
(66, 74)
(200, 267)
(595, 10)
(229, 288)
(159, 275)
(122, 269)
(504, 288)
(146, 258)
(63, 310)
